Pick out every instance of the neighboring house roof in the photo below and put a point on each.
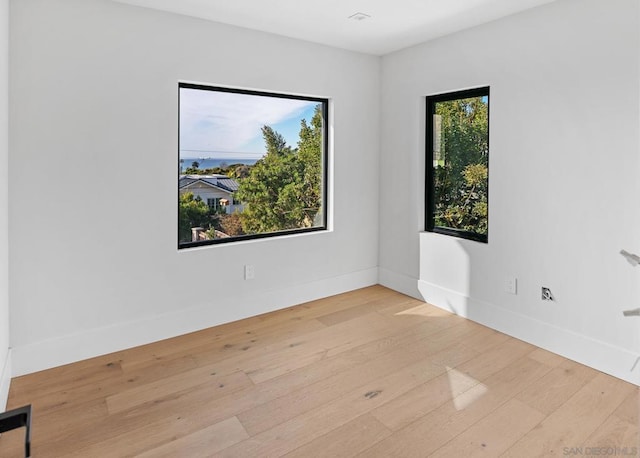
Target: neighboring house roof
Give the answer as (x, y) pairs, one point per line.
(228, 183)
(221, 182)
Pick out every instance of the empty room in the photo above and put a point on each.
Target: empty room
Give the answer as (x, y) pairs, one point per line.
(341, 228)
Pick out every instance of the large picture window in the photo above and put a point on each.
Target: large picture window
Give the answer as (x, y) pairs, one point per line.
(457, 156)
(251, 165)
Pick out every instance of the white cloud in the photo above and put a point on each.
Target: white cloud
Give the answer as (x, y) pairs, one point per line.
(224, 121)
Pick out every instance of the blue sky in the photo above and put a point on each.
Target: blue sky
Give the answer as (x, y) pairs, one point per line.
(228, 125)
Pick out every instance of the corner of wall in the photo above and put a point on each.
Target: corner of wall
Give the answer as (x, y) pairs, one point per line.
(5, 381)
(5, 351)
(399, 282)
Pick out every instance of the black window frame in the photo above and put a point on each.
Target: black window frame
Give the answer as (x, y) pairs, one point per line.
(325, 166)
(430, 206)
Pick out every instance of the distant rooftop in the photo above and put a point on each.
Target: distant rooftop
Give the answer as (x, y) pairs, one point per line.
(197, 177)
(216, 180)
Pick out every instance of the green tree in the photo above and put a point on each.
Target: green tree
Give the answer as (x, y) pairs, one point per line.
(239, 171)
(194, 169)
(192, 212)
(283, 189)
(275, 142)
(461, 179)
(471, 211)
(309, 190)
(231, 224)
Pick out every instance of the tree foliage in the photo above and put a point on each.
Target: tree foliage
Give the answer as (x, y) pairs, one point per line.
(238, 171)
(192, 212)
(283, 190)
(232, 170)
(461, 179)
(231, 224)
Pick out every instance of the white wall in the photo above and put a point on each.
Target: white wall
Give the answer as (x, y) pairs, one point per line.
(564, 183)
(93, 102)
(5, 361)
(94, 108)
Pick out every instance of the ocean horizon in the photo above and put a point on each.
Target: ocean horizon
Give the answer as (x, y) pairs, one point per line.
(210, 163)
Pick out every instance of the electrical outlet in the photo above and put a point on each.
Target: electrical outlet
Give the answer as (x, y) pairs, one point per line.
(249, 272)
(511, 285)
(547, 295)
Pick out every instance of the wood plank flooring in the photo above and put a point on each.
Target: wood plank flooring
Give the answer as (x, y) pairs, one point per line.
(369, 373)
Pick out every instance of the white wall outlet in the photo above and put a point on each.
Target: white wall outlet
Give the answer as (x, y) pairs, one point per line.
(249, 272)
(511, 285)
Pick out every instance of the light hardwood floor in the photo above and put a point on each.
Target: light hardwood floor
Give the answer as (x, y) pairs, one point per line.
(370, 373)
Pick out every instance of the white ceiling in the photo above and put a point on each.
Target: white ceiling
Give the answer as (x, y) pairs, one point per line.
(393, 25)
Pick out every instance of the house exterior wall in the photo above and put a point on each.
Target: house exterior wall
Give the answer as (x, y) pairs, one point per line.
(207, 192)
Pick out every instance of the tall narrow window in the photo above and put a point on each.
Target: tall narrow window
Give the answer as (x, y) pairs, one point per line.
(251, 165)
(457, 154)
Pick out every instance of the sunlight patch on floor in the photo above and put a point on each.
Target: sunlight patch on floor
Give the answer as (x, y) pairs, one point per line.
(465, 390)
(423, 310)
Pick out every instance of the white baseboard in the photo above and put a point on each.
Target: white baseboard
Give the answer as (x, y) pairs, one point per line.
(5, 381)
(399, 282)
(95, 342)
(38, 356)
(607, 358)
